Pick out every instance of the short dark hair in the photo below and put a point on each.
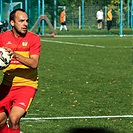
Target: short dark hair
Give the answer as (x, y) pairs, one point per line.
(12, 14)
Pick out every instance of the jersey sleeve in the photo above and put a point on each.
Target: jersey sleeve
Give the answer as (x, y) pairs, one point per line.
(35, 46)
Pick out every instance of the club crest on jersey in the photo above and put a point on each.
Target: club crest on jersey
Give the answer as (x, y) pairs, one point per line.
(24, 43)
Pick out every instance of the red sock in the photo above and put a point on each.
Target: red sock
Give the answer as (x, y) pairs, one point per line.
(4, 129)
(10, 130)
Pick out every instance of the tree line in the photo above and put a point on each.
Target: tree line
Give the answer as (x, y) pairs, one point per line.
(87, 2)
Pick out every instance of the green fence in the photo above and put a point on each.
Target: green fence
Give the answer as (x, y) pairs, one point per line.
(73, 14)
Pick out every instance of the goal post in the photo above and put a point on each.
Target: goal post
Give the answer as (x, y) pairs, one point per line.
(6, 8)
(132, 15)
(121, 18)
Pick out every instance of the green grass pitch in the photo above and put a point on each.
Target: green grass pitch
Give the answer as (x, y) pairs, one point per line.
(83, 76)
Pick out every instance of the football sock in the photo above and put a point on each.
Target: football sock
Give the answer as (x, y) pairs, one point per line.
(61, 28)
(65, 27)
(4, 129)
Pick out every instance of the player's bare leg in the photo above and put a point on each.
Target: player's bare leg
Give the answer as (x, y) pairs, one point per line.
(3, 119)
(14, 117)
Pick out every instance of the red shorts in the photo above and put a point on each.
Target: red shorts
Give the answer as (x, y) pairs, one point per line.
(20, 96)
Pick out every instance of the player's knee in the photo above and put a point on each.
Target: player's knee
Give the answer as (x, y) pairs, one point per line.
(3, 120)
(2, 123)
(13, 121)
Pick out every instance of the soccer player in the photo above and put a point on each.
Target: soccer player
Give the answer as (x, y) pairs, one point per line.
(63, 20)
(20, 79)
(109, 20)
(100, 18)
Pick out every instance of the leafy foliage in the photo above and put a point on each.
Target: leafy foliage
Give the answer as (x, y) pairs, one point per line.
(115, 4)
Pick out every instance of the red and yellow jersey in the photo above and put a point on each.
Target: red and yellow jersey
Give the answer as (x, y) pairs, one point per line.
(63, 16)
(17, 74)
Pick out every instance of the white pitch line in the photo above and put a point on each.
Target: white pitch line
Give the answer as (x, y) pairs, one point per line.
(80, 36)
(77, 117)
(78, 44)
(100, 46)
(86, 36)
(87, 45)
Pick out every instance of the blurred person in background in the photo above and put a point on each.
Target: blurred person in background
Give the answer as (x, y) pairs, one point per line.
(63, 20)
(109, 20)
(100, 18)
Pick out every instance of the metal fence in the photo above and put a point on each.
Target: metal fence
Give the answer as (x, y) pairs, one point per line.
(90, 17)
(74, 14)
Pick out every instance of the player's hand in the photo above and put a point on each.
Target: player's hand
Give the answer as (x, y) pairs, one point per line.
(10, 51)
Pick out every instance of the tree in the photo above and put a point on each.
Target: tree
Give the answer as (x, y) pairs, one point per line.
(97, 2)
(115, 5)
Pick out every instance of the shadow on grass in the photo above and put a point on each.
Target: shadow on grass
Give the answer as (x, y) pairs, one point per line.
(90, 130)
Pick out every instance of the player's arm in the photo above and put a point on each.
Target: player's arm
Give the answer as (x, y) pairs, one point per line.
(32, 61)
(108, 15)
(103, 17)
(96, 16)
